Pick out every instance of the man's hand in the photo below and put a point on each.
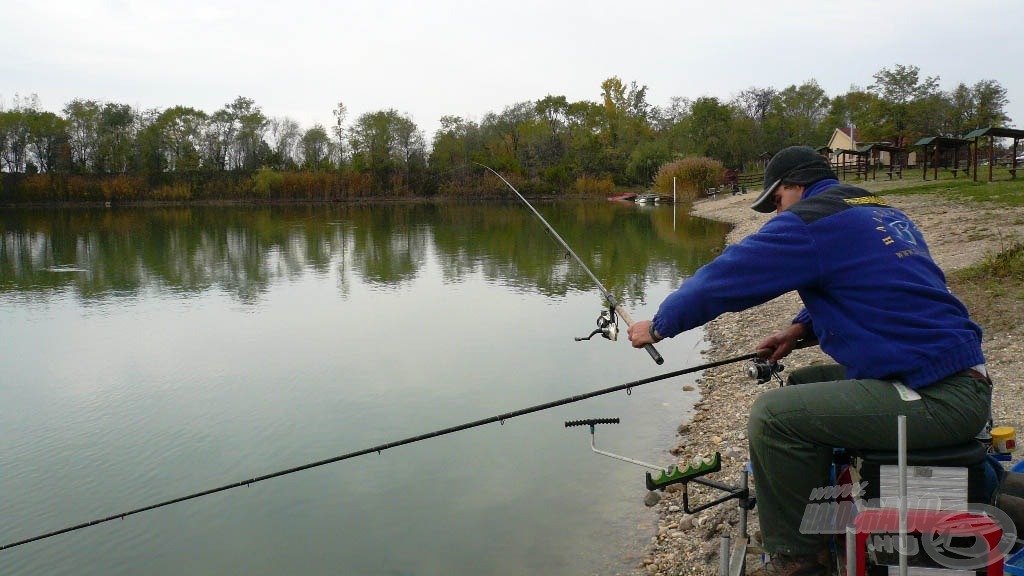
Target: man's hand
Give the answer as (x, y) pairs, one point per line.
(782, 342)
(640, 334)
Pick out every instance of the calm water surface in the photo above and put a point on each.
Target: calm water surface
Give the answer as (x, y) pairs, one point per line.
(148, 354)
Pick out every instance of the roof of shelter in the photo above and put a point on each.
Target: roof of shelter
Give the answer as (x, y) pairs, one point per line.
(997, 132)
(860, 151)
(880, 146)
(942, 142)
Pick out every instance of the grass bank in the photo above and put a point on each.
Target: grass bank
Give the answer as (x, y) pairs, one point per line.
(992, 290)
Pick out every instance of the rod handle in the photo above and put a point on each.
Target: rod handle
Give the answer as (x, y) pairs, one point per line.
(654, 354)
(649, 347)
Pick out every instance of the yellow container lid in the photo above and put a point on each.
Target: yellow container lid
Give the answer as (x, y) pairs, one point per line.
(1002, 432)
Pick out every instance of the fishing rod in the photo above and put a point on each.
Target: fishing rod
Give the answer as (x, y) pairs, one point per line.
(500, 418)
(607, 325)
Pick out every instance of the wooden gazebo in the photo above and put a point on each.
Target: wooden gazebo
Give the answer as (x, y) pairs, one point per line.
(992, 134)
(874, 153)
(938, 144)
(860, 161)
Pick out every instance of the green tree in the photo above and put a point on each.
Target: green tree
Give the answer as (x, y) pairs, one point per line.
(148, 149)
(250, 126)
(709, 124)
(284, 137)
(900, 91)
(858, 108)
(14, 140)
(456, 144)
(48, 141)
(990, 101)
(752, 107)
(551, 141)
(316, 148)
(180, 130)
(386, 144)
(505, 136)
(796, 116)
(218, 137)
(83, 117)
(116, 139)
(626, 112)
(585, 147)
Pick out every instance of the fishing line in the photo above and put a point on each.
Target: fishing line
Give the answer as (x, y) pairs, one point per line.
(501, 418)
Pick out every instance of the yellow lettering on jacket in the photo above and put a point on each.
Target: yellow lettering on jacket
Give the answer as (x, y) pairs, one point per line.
(874, 200)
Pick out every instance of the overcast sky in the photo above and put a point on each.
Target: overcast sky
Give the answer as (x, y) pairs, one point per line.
(431, 58)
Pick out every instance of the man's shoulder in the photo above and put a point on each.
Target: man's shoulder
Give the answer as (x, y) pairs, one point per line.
(833, 201)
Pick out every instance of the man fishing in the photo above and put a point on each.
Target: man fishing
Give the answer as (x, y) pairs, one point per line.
(876, 303)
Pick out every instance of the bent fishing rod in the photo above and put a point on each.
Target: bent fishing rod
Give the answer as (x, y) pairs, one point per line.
(500, 418)
(606, 322)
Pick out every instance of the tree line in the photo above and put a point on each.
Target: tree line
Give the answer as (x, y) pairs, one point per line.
(548, 145)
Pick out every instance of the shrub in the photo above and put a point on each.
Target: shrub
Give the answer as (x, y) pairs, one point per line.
(178, 191)
(121, 187)
(588, 185)
(266, 183)
(693, 175)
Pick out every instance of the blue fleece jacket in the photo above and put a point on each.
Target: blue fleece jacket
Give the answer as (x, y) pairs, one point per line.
(873, 296)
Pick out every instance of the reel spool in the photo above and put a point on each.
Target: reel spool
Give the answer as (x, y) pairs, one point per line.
(607, 326)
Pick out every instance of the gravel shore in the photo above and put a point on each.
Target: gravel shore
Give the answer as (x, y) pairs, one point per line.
(958, 236)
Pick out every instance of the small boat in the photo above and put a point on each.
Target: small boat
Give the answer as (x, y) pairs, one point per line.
(652, 198)
(627, 197)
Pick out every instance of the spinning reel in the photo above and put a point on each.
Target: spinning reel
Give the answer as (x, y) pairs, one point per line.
(763, 370)
(607, 326)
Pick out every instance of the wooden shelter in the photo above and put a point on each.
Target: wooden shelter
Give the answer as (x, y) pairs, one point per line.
(874, 153)
(859, 162)
(939, 145)
(992, 134)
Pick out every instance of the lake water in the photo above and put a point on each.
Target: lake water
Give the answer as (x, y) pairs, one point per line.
(146, 354)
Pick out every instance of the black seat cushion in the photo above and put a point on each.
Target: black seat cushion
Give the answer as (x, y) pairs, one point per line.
(972, 456)
(967, 454)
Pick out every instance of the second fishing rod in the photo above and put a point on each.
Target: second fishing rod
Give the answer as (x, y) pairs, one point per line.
(607, 322)
(499, 418)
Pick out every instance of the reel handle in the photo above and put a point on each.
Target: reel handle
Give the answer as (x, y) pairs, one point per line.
(649, 347)
(591, 422)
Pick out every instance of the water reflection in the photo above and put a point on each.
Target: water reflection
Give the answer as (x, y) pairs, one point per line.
(104, 253)
(163, 351)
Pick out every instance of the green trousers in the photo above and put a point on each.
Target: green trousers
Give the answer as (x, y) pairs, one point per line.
(792, 430)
